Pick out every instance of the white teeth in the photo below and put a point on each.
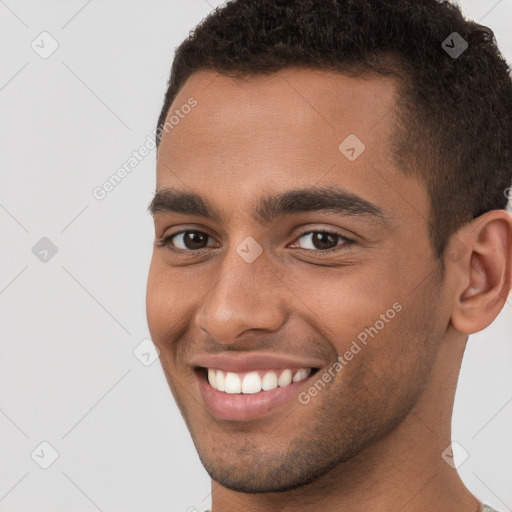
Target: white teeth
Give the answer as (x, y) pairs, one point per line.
(251, 382)
(232, 383)
(220, 381)
(269, 381)
(285, 378)
(301, 374)
(211, 377)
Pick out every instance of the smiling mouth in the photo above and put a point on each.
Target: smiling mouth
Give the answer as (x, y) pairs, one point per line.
(255, 381)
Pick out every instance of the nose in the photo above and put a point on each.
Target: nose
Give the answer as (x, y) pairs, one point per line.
(243, 296)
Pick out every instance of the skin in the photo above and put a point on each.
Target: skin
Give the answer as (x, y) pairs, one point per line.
(372, 438)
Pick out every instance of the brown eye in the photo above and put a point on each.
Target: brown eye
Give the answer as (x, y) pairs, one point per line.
(188, 240)
(321, 240)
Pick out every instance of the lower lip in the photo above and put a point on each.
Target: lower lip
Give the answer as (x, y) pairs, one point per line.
(243, 407)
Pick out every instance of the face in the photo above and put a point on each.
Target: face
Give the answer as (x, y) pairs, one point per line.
(287, 240)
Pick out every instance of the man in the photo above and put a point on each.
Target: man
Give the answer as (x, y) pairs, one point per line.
(330, 226)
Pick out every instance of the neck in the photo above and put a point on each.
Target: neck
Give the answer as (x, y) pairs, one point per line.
(402, 472)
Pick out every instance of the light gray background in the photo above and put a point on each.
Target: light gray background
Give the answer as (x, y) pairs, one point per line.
(69, 326)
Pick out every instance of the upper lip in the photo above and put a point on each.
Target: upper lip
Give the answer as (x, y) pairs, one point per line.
(252, 361)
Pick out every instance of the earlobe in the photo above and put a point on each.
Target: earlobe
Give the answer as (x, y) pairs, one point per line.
(482, 276)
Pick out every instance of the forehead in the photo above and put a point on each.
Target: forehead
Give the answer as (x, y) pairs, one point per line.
(308, 102)
(264, 132)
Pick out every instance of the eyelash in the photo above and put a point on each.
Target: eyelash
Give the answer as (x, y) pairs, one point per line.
(167, 243)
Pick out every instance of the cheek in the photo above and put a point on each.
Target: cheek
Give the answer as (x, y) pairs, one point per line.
(173, 296)
(155, 306)
(164, 302)
(368, 319)
(342, 302)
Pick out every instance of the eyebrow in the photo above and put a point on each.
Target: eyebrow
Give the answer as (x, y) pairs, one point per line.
(316, 199)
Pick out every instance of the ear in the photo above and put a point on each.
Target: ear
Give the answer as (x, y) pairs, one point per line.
(478, 262)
